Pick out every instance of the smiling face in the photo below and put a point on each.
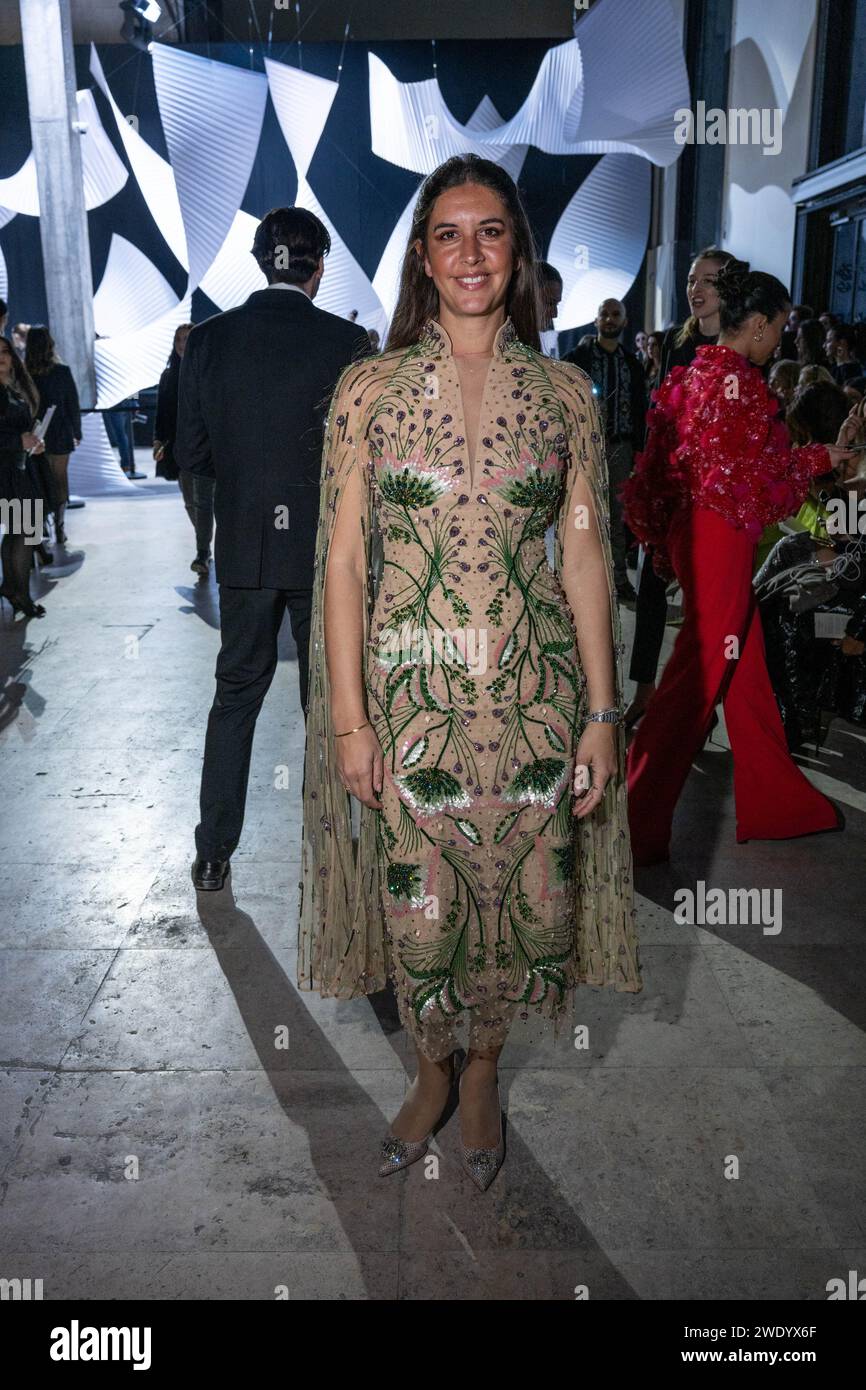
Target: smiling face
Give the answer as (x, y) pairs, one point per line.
(470, 250)
(701, 289)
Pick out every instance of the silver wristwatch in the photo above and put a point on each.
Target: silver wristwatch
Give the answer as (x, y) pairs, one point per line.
(604, 716)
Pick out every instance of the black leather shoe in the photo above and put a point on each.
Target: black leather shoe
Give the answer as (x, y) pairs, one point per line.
(209, 875)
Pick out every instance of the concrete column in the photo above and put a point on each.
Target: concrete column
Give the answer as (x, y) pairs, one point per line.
(46, 30)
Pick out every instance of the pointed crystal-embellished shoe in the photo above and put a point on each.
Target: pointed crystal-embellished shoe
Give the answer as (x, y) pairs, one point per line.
(482, 1165)
(400, 1153)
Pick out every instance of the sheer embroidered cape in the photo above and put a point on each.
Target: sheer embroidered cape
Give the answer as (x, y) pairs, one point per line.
(342, 943)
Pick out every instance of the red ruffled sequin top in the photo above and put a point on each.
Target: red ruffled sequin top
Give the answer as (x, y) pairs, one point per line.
(714, 439)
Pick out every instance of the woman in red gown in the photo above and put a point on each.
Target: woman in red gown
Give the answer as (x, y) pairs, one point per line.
(717, 468)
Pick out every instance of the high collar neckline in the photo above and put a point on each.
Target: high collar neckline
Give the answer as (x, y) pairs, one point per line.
(713, 350)
(437, 341)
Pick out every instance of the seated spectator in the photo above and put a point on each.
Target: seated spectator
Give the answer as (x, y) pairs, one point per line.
(839, 346)
(810, 343)
(855, 389)
(811, 375)
(815, 416)
(818, 570)
(799, 313)
(783, 381)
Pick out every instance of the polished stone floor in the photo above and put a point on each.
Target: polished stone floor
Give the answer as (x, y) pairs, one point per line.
(160, 1141)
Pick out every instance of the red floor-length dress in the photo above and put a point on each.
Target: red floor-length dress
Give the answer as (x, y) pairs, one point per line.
(717, 468)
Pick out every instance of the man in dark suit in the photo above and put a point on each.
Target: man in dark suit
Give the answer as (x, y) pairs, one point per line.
(255, 385)
(618, 383)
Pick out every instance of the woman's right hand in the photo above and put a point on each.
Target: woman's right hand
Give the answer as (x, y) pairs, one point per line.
(853, 428)
(32, 443)
(158, 450)
(360, 765)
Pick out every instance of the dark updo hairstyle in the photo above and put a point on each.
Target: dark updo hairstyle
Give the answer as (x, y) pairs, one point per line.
(817, 413)
(418, 299)
(745, 292)
(288, 245)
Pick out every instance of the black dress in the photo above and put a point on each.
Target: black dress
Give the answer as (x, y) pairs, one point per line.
(57, 387)
(18, 476)
(684, 355)
(165, 425)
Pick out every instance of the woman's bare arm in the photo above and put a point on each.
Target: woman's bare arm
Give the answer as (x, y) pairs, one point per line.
(359, 756)
(585, 582)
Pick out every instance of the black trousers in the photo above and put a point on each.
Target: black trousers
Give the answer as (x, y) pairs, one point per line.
(249, 624)
(651, 611)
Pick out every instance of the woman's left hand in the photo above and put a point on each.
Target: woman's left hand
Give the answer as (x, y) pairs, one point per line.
(595, 764)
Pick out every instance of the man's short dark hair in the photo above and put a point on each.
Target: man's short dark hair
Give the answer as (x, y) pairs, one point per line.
(288, 245)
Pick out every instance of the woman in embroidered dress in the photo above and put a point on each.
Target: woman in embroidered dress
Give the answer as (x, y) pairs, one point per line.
(718, 467)
(455, 677)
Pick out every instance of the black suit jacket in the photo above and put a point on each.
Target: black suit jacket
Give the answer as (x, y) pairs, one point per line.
(255, 385)
(582, 357)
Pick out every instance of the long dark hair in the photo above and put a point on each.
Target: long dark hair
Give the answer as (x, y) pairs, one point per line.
(21, 382)
(746, 292)
(691, 328)
(418, 299)
(810, 349)
(39, 354)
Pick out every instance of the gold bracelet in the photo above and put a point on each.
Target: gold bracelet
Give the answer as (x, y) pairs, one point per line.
(353, 731)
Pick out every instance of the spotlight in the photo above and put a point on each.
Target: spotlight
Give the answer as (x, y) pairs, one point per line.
(138, 16)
